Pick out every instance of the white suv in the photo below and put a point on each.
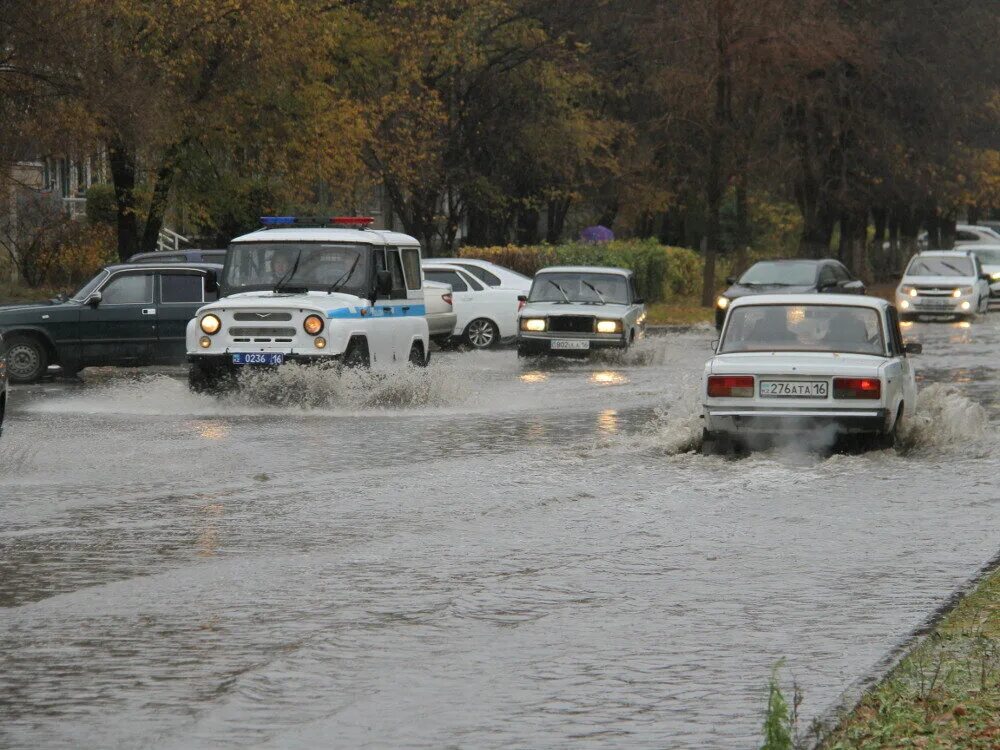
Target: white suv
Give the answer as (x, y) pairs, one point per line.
(341, 293)
(943, 283)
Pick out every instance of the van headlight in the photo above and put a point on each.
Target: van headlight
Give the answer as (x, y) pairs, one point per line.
(533, 324)
(210, 324)
(609, 326)
(313, 324)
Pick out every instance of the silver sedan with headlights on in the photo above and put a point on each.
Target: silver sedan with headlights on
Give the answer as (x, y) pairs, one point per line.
(573, 310)
(943, 283)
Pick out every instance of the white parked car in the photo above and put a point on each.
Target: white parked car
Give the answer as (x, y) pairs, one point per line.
(974, 234)
(577, 309)
(485, 315)
(440, 311)
(989, 262)
(327, 294)
(943, 283)
(490, 273)
(810, 368)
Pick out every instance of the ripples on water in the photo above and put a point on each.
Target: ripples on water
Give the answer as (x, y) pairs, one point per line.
(486, 553)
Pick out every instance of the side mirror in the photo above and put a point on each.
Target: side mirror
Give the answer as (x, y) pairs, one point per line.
(640, 301)
(730, 280)
(95, 299)
(211, 282)
(986, 277)
(383, 283)
(912, 347)
(715, 345)
(522, 298)
(854, 285)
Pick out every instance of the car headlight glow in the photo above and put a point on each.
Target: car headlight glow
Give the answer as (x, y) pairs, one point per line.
(995, 276)
(312, 325)
(204, 342)
(905, 304)
(961, 291)
(211, 324)
(533, 324)
(722, 303)
(609, 326)
(320, 342)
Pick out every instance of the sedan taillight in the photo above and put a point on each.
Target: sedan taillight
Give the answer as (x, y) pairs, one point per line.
(865, 388)
(730, 386)
(447, 297)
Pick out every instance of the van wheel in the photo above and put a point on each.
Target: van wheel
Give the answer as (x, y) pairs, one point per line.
(417, 358)
(356, 354)
(482, 334)
(27, 359)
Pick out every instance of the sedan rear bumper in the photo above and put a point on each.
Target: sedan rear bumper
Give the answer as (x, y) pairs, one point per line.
(770, 421)
(542, 344)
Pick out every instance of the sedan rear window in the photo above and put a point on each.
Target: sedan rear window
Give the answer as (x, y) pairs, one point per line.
(803, 328)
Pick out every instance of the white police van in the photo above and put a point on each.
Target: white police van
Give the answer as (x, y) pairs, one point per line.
(297, 291)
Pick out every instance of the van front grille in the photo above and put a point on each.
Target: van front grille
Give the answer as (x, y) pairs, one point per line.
(248, 332)
(262, 317)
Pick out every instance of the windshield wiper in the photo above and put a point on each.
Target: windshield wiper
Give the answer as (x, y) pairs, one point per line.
(561, 291)
(288, 276)
(335, 286)
(596, 290)
(958, 271)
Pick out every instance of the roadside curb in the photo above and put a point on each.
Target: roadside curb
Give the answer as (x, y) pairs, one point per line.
(852, 696)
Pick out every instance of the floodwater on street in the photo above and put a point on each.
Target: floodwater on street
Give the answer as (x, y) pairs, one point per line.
(485, 554)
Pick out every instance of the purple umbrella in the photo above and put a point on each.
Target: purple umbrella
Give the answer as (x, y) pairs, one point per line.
(597, 234)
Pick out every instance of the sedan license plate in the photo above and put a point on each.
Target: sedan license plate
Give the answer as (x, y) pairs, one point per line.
(794, 388)
(258, 358)
(935, 303)
(571, 344)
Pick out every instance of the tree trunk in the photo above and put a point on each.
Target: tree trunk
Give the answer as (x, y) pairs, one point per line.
(556, 219)
(877, 251)
(158, 203)
(974, 213)
(715, 179)
(123, 175)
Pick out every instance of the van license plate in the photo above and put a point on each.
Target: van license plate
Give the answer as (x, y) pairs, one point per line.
(571, 344)
(259, 358)
(794, 388)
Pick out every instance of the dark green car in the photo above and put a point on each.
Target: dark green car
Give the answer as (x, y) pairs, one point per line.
(127, 315)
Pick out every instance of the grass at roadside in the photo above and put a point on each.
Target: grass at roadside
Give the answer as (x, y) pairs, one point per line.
(678, 312)
(945, 693)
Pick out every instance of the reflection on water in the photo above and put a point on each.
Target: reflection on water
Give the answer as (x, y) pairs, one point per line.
(607, 422)
(211, 429)
(208, 534)
(535, 376)
(608, 377)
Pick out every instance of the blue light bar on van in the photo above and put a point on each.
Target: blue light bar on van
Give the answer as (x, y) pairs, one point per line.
(278, 221)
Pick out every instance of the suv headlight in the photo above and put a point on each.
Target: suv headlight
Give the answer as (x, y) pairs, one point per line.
(908, 291)
(962, 291)
(210, 324)
(313, 325)
(533, 324)
(609, 326)
(722, 303)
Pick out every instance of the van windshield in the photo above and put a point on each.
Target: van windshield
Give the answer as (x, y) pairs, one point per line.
(803, 328)
(297, 267)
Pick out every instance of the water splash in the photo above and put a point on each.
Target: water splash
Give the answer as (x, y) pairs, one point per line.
(943, 418)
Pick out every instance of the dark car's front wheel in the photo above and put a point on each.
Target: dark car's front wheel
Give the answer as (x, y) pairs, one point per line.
(27, 359)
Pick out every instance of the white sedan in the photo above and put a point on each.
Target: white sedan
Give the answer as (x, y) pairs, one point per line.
(485, 315)
(809, 368)
(490, 273)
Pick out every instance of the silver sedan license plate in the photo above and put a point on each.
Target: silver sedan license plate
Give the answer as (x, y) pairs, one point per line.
(794, 388)
(571, 344)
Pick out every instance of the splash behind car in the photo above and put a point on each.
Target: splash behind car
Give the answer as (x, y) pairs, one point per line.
(788, 277)
(809, 369)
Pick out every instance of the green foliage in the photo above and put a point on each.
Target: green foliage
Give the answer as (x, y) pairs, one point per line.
(662, 272)
(778, 729)
(101, 205)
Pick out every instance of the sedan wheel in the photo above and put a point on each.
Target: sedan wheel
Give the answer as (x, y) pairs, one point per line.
(27, 360)
(481, 334)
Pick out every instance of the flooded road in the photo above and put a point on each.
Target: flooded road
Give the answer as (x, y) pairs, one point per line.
(481, 555)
